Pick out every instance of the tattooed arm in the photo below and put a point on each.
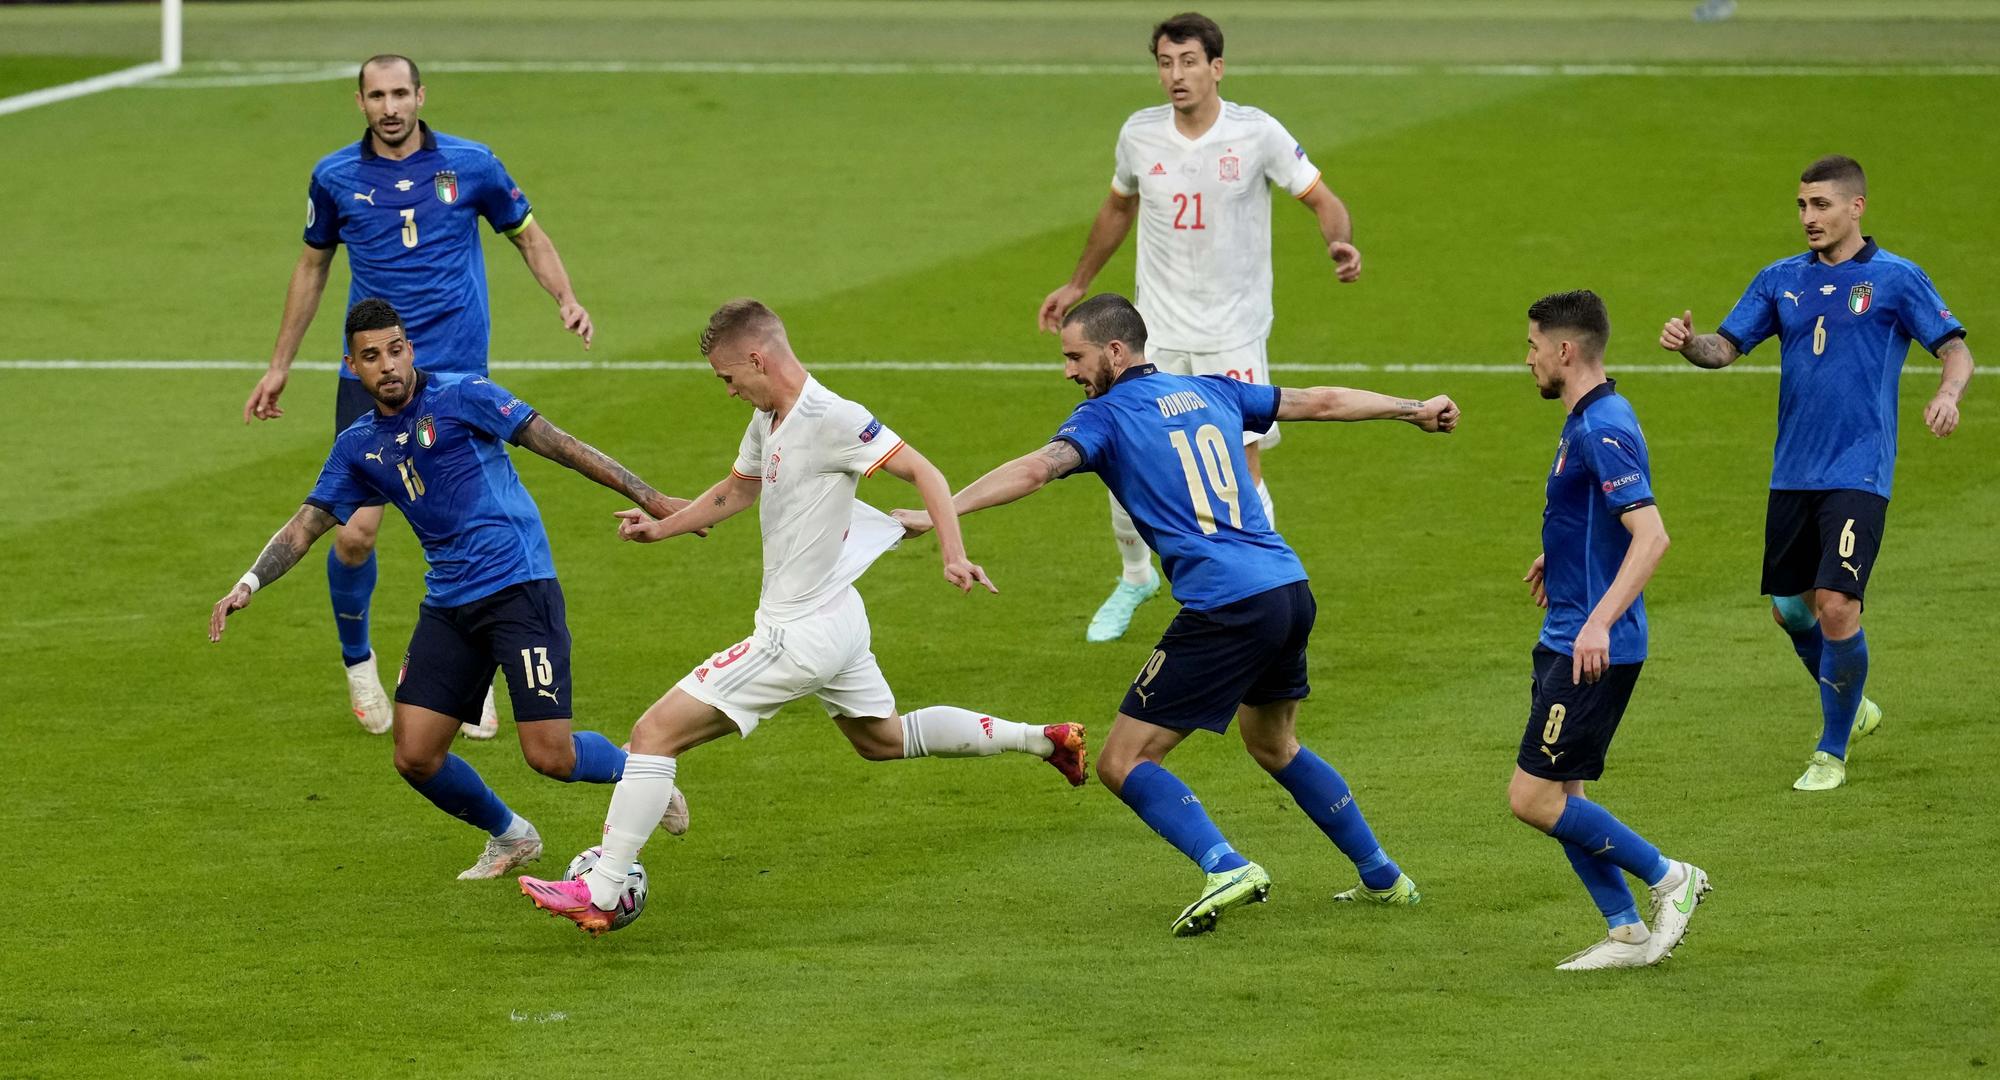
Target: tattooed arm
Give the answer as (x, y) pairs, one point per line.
(288, 545)
(567, 450)
(1941, 415)
(1017, 479)
(1339, 403)
(730, 495)
(1702, 350)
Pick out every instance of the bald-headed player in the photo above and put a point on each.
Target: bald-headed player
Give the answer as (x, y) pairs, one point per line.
(407, 202)
(1196, 174)
(1845, 313)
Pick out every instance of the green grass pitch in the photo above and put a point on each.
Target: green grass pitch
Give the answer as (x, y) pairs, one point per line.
(217, 874)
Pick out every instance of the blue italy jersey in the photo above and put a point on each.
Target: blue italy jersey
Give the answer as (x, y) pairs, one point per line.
(412, 233)
(1602, 471)
(443, 462)
(1170, 448)
(1843, 333)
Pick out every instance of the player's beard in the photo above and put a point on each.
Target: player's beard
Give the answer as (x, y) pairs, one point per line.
(400, 137)
(394, 398)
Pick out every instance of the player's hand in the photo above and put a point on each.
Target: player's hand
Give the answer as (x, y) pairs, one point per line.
(636, 526)
(666, 506)
(1439, 414)
(1941, 415)
(1056, 305)
(237, 600)
(1538, 588)
(965, 573)
(915, 523)
(1678, 332)
(263, 402)
(577, 321)
(1590, 655)
(1346, 260)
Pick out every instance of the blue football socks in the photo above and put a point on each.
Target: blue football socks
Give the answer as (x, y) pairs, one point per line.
(1843, 671)
(597, 760)
(1602, 836)
(458, 790)
(351, 586)
(1323, 794)
(1606, 883)
(1802, 627)
(1162, 801)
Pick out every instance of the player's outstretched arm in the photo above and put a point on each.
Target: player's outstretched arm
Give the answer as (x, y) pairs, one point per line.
(1701, 350)
(1941, 415)
(1591, 654)
(288, 545)
(567, 450)
(1017, 479)
(915, 469)
(1336, 227)
(302, 295)
(1114, 221)
(1438, 414)
(540, 254)
(728, 496)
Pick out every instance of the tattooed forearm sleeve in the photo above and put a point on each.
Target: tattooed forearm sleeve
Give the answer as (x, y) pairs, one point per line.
(289, 544)
(565, 449)
(1709, 351)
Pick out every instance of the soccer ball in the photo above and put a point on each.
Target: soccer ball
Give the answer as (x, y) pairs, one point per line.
(635, 885)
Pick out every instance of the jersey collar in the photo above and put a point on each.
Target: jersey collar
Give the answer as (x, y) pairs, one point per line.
(430, 140)
(1598, 393)
(1867, 252)
(1139, 371)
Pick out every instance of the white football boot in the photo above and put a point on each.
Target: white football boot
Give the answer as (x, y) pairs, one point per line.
(364, 692)
(502, 855)
(675, 820)
(489, 721)
(1674, 901)
(1622, 948)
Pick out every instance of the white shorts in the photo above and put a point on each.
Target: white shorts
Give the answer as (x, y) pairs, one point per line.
(825, 654)
(1245, 363)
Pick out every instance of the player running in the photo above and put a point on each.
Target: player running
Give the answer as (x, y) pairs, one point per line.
(804, 453)
(1196, 174)
(407, 202)
(1165, 446)
(1844, 312)
(1602, 538)
(433, 447)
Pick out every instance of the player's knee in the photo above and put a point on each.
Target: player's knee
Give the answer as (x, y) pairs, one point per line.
(1839, 614)
(1792, 613)
(1273, 756)
(353, 546)
(1535, 805)
(417, 768)
(554, 763)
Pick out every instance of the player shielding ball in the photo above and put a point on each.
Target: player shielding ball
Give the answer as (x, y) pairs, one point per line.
(1166, 446)
(434, 446)
(1196, 174)
(1845, 313)
(1602, 538)
(407, 201)
(800, 461)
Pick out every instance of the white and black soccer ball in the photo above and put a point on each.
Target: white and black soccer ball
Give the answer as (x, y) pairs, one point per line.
(635, 885)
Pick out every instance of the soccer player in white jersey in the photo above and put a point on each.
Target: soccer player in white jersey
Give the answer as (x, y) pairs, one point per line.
(800, 461)
(1196, 173)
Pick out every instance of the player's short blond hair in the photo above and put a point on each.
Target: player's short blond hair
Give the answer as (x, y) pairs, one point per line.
(739, 316)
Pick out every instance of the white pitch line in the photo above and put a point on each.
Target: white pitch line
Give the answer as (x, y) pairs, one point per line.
(267, 73)
(49, 95)
(1007, 366)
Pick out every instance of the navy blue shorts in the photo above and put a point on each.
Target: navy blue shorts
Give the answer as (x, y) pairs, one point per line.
(1570, 724)
(350, 403)
(1251, 652)
(520, 630)
(1822, 540)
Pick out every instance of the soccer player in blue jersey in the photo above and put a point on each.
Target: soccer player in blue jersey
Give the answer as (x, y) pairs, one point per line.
(407, 202)
(1602, 538)
(434, 445)
(1844, 312)
(1170, 449)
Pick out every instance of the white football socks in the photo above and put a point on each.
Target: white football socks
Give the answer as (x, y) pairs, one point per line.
(1264, 496)
(636, 805)
(1132, 549)
(949, 731)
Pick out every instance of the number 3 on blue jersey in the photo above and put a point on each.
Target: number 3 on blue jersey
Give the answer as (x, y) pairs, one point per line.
(410, 227)
(1214, 454)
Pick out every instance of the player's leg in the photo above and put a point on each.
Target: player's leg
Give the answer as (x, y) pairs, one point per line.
(525, 630)
(1850, 525)
(350, 579)
(1320, 791)
(1137, 582)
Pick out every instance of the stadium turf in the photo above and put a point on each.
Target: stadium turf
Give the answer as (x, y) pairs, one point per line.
(218, 874)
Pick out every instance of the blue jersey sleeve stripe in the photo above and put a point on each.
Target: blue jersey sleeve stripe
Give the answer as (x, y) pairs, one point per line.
(1641, 504)
(1080, 452)
(1954, 332)
(514, 436)
(1724, 334)
(331, 509)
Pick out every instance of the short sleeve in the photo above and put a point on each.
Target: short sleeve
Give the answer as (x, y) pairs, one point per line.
(1754, 317)
(1923, 315)
(491, 408)
(1089, 431)
(860, 442)
(1124, 173)
(322, 217)
(500, 200)
(1257, 402)
(1613, 454)
(750, 452)
(1285, 159)
(340, 491)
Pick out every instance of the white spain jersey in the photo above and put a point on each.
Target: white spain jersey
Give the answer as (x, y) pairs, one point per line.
(810, 465)
(1205, 222)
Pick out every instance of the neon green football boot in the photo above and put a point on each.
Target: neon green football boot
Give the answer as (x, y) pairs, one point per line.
(1824, 773)
(1247, 884)
(1866, 719)
(1403, 892)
